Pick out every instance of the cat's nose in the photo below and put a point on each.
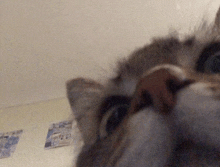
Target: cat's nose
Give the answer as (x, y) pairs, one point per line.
(158, 89)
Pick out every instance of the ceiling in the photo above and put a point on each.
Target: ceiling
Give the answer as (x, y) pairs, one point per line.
(44, 43)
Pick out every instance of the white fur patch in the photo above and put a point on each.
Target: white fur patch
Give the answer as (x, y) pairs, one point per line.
(198, 109)
(147, 130)
(174, 70)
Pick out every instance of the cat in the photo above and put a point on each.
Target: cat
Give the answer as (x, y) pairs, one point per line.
(162, 108)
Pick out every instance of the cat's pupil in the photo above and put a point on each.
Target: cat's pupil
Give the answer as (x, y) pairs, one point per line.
(216, 64)
(213, 64)
(112, 101)
(117, 116)
(209, 59)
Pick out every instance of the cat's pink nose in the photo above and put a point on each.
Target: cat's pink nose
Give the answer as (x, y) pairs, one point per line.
(159, 90)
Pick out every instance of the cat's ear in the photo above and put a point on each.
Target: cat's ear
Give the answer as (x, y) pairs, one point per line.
(217, 19)
(84, 95)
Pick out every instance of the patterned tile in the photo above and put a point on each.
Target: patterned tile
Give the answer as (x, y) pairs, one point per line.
(59, 134)
(8, 143)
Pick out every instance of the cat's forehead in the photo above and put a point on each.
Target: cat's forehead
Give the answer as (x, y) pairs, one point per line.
(172, 50)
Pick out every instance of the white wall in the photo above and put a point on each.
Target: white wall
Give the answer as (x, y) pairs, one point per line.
(44, 43)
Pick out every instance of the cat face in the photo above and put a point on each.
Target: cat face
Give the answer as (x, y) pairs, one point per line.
(162, 108)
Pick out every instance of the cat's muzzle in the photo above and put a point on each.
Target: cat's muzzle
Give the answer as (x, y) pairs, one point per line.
(158, 88)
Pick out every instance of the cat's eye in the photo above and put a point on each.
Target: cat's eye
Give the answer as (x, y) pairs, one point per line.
(112, 101)
(112, 111)
(209, 60)
(212, 64)
(119, 112)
